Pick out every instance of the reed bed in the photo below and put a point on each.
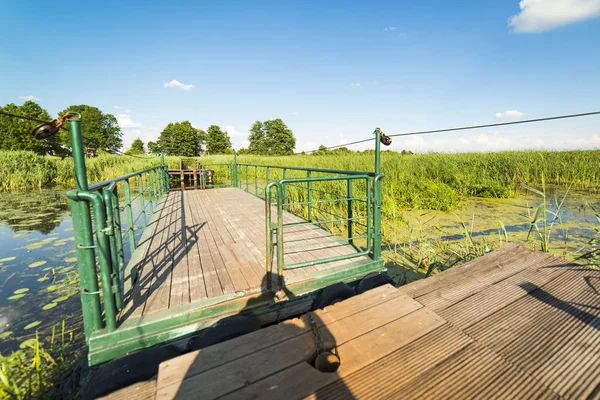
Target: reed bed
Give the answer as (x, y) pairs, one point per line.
(435, 181)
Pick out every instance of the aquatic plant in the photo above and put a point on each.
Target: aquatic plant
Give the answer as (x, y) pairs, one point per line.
(42, 369)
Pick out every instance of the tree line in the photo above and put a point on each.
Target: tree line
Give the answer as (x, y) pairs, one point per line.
(101, 132)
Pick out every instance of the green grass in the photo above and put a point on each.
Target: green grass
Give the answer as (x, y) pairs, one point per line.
(429, 181)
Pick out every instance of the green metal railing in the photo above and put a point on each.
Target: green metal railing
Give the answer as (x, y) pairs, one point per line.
(346, 203)
(121, 208)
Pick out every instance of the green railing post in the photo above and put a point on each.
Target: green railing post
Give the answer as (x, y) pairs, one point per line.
(256, 180)
(284, 194)
(114, 234)
(150, 192)
(350, 214)
(142, 201)
(235, 170)
(377, 198)
(309, 196)
(84, 240)
(129, 214)
(246, 178)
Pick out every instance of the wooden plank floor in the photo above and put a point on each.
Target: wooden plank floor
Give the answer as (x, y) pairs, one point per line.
(210, 243)
(512, 324)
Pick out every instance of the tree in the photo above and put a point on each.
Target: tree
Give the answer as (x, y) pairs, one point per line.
(179, 139)
(217, 141)
(15, 133)
(137, 147)
(99, 131)
(272, 137)
(153, 147)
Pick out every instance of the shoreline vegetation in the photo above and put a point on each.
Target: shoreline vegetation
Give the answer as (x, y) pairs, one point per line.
(435, 181)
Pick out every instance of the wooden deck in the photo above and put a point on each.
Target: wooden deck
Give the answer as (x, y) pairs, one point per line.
(211, 243)
(512, 324)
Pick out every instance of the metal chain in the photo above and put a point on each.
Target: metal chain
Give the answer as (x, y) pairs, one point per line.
(319, 344)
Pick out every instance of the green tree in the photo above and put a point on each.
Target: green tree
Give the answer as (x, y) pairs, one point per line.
(99, 131)
(15, 133)
(217, 141)
(153, 147)
(272, 137)
(137, 147)
(180, 139)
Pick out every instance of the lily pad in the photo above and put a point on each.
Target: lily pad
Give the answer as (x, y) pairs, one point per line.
(27, 343)
(43, 278)
(6, 334)
(19, 291)
(33, 325)
(49, 306)
(33, 246)
(53, 288)
(71, 259)
(16, 296)
(62, 298)
(7, 259)
(37, 264)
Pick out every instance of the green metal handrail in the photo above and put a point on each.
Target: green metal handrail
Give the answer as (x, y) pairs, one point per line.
(373, 234)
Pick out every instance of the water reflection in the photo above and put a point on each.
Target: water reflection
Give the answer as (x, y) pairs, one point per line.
(41, 210)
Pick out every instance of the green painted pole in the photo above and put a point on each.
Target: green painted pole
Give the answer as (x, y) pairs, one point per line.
(377, 198)
(129, 214)
(150, 192)
(84, 240)
(309, 195)
(350, 214)
(256, 180)
(235, 169)
(142, 201)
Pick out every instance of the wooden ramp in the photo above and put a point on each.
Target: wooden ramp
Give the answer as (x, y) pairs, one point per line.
(211, 243)
(511, 324)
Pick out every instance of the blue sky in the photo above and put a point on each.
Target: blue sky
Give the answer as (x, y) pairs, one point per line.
(332, 70)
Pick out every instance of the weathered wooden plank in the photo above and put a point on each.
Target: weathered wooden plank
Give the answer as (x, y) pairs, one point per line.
(196, 275)
(172, 372)
(301, 379)
(209, 274)
(160, 289)
(138, 391)
(180, 281)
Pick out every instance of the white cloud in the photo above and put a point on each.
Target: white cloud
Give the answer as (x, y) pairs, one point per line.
(354, 85)
(29, 98)
(232, 132)
(177, 84)
(510, 114)
(295, 113)
(390, 28)
(117, 107)
(125, 122)
(464, 141)
(542, 15)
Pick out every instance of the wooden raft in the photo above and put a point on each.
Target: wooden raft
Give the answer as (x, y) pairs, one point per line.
(511, 324)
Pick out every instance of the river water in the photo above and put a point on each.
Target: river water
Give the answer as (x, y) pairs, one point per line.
(39, 283)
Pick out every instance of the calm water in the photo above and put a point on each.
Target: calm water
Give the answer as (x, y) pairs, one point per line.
(39, 285)
(38, 277)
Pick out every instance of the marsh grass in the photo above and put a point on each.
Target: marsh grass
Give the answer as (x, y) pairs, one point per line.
(40, 370)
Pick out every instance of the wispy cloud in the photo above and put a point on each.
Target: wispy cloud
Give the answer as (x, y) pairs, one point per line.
(390, 28)
(543, 15)
(176, 84)
(29, 98)
(510, 114)
(125, 122)
(355, 85)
